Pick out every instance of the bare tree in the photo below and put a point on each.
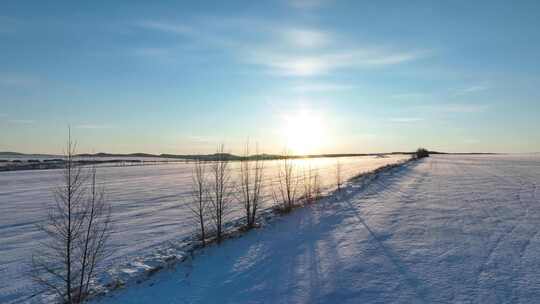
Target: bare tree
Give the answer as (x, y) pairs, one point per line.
(287, 185)
(97, 230)
(199, 200)
(339, 177)
(251, 177)
(220, 190)
(317, 185)
(77, 230)
(311, 183)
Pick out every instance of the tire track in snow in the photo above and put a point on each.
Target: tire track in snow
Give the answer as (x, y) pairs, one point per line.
(471, 174)
(409, 182)
(522, 219)
(474, 184)
(525, 246)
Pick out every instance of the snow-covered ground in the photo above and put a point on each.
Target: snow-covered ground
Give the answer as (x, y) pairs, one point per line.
(447, 229)
(149, 211)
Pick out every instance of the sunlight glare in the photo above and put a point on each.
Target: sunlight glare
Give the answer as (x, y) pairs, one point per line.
(304, 132)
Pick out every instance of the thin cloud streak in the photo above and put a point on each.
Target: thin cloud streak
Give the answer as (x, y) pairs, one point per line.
(313, 65)
(307, 4)
(21, 121)
(93, 126)
(306, 38)
(409, 96)
(322, 87)
(471, 89)
(166, 27)
(405, 119)
(277, 50)
(455, 108)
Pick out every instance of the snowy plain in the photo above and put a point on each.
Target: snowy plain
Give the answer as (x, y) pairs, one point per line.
(149, 210)
(447, 229)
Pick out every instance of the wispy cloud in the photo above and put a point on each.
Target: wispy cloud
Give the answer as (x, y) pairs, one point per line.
(285, 50)
(93, 126)
(405, 119)
(455, 108)
(151, 52)
(321, 87)
(471, 89)
(311, 65)
(166, 27)
(21, 121)
(409, 96)
(464, 108)
(306, 38)
(307, 4)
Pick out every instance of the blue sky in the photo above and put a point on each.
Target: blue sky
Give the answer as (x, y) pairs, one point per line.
(181, 77)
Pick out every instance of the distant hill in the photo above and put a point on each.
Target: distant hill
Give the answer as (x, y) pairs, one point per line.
(101, 154)
(228, 156)
(6, 153)
(17, 154)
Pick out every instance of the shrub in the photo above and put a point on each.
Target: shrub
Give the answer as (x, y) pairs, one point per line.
(286, 189)
(421, 153)
(251, 178)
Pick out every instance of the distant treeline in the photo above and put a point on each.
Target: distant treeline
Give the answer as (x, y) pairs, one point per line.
(13, 164)
(229, 156)
(135, 158)
(56, 163)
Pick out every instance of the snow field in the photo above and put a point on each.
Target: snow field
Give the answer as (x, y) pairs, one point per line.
(150, 214)
(447, 229)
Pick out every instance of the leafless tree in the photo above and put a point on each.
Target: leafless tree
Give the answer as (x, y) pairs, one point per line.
(199, 200)
(220, 190)
(285, 191)
(77, 230)
(251, 177)
(91, 247)
(339, 177)
(311, 183)
(317, 185)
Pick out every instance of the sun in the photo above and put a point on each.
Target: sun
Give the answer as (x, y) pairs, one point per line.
(304, 132)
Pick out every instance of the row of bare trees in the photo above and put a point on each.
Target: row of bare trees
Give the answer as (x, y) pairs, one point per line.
(213, 191)
(78, 227)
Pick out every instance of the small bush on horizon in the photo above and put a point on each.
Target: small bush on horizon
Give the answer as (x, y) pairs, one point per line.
(421, 153)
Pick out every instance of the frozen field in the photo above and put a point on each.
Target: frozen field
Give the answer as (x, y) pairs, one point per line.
(149, 209)
(448, 229)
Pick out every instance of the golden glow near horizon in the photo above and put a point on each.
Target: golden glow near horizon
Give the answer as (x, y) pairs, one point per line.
(304, 132)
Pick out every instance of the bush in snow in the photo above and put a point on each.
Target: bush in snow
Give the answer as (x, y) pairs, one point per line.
(285, 190)
(421, 153)
(311, 183)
